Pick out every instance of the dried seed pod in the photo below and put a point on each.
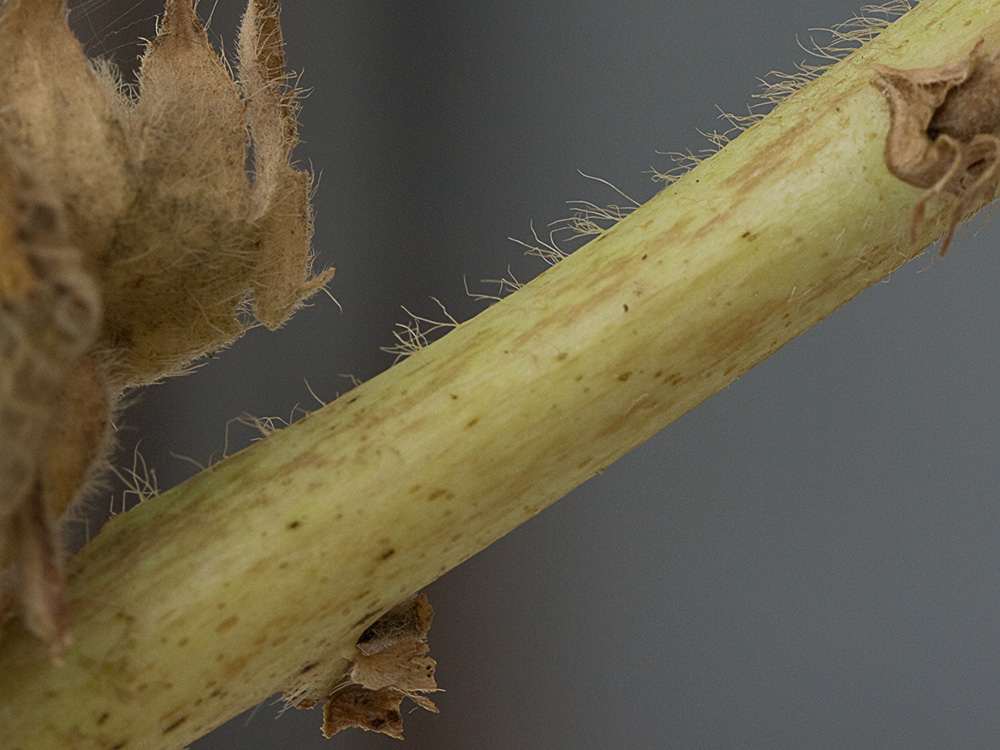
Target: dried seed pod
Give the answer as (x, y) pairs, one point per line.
(148, 250)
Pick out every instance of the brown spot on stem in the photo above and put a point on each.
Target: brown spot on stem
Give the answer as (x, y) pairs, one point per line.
(227, 624)
(175, 724)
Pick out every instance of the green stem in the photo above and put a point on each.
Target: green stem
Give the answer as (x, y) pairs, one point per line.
(258, 574)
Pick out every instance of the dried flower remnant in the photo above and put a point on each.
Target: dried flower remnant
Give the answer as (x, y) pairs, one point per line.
(132, 242)
(390, 663)
(50, 312)
(944, 132)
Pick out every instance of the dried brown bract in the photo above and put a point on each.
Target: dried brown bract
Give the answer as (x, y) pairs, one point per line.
(390, 664)
(132, 242)
(944, 132)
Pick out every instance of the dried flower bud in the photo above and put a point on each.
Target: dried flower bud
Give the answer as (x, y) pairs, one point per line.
(134, 241)
(50, 314)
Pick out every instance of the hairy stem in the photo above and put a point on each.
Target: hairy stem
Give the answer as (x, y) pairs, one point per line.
(259, 574)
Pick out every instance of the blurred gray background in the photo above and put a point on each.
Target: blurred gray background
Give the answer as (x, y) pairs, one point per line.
(810, 559)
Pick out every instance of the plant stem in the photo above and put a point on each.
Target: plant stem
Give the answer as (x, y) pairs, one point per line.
(258, 574)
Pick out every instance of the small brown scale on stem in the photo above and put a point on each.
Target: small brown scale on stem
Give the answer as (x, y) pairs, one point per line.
(132, 242)
(944, 132)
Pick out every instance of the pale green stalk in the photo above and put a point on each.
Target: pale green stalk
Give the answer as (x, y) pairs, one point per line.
(266, 567)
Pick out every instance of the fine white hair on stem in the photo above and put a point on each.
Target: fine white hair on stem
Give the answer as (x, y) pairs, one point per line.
(589, 219)
(414, 335)
(505, 285)
(140, 481)
(840, 40)
(548, 250)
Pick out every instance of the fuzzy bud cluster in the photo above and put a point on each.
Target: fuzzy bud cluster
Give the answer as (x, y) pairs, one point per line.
(133, 240)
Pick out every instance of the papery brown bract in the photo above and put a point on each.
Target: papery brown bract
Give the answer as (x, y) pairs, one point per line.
(389, 663)
(944, 132)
